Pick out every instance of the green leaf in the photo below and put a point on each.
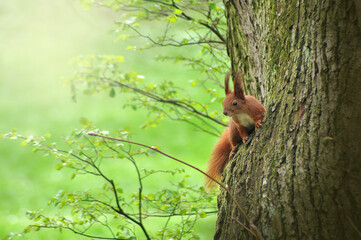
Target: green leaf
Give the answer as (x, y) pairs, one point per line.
(151, 86)
(203, 214)
(59, 166)
(151, 196)
(86, 4)
(172, 19)
(112, 93)
(183, 212)
(35, 149)
(127, 76)
(178, 11)
(123, 37)
(194, 82)
(84, 122)
(119, 58)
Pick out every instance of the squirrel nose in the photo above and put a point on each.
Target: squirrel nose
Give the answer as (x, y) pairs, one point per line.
(225, 113)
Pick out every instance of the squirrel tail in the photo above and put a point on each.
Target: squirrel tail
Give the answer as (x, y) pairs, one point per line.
(219, 159)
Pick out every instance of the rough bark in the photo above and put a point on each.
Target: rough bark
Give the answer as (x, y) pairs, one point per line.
(299, 176)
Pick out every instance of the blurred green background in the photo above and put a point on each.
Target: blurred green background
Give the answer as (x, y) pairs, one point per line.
(37, 41)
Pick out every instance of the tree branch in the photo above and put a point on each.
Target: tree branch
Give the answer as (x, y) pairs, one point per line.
(181, 104)
(78, 232)
(176, 44)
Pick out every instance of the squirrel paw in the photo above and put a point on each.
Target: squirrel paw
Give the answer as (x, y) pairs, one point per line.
(257, 124)
(232, 153)
(245, 139)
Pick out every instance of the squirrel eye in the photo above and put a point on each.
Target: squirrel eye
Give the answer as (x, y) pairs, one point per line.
(235, 103)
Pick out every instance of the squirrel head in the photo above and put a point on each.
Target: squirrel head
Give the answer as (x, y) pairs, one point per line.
(234, 101)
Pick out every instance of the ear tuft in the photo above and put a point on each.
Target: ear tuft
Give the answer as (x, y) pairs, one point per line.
(226, 81)
(238, 85)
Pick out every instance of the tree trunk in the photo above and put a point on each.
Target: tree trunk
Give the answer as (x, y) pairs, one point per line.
(299, 176)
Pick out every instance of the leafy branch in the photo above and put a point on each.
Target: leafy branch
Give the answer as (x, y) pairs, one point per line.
(255, 232)
(212, 27)
(187, 106)
(165, 42)
(201, 14)
(110, 208)
(101, 73)
(197, 24)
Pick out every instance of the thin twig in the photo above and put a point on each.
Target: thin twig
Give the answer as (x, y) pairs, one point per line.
(176, 43)
(157, 150)
(78, 232)
(242, 225)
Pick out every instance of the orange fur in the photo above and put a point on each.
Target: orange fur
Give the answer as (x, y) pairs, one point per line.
(219, 158)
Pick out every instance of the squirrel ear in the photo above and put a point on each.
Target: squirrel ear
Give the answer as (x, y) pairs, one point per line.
(238, 85)
(226, 85)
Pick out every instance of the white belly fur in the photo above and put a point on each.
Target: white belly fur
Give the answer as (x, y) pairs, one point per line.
(245, 120)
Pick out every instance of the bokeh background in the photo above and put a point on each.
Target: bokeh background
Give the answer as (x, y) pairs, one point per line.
(37, 41)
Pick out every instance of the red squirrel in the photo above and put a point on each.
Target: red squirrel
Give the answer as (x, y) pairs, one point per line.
(246, 114)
